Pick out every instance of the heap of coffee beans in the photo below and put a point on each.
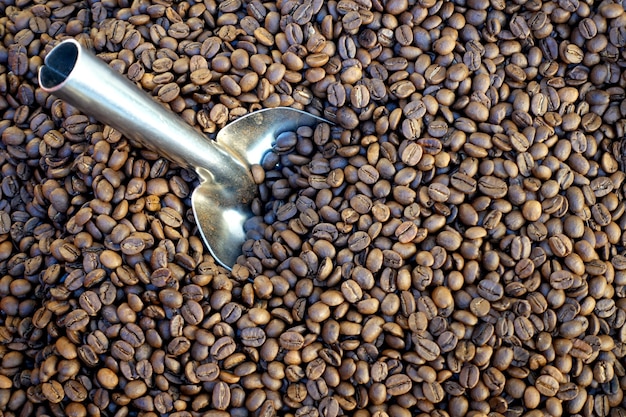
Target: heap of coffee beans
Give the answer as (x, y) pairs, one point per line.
(451, 243)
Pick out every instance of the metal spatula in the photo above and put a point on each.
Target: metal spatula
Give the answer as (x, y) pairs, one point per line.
(221, 203)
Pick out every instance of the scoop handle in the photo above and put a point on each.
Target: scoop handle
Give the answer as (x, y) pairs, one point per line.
(74, 74)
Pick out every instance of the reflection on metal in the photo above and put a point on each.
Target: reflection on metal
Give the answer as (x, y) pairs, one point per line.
(221, 202)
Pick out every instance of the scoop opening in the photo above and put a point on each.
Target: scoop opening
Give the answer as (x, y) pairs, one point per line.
(59, 64)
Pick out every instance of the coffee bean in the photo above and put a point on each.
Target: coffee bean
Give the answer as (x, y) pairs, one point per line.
(547, 385)
(252, 336)
(471, 193)
(90, 302)
(76, 320)
(492, 187)
(427, 349)
(222, 348)
(398, 384)
(490, 290)
(463, 182)
(221, 396)
(169, 92)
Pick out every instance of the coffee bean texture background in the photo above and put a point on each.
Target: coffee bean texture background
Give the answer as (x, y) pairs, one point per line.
(450, 244)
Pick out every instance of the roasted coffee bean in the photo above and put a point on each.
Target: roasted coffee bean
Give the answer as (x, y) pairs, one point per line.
(490, 290)
(453, 237)
(90, 302)
(76, 320)
(253, 336)
(207, 372)
(547, 385)
(222, 348)
(492, 187)
(427, 349)
(398, 384)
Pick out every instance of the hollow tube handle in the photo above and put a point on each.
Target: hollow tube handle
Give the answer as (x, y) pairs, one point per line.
(74, 74)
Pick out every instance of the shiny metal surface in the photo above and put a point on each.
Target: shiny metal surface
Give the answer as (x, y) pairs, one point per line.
(221, 202)
(252, 135)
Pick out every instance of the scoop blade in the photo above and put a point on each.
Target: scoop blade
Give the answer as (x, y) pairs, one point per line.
(220, 216)
(252, 135)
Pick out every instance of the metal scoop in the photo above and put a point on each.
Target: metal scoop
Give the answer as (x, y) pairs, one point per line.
(221, 203)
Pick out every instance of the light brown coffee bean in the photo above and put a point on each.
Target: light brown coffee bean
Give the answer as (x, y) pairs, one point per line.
(223, 347)
(427, 349)
(291, 341)
(398, 384)
(169, 92)
(547, 385)
(207, 372)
